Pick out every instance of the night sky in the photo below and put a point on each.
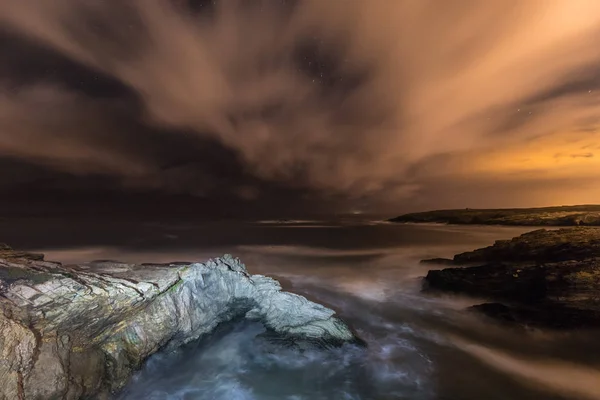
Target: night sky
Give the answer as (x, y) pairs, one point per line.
(288, 108)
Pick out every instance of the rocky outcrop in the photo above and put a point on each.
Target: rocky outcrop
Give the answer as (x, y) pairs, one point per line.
(543, 278)
(78, 331)
(539, 246)
(586, 215)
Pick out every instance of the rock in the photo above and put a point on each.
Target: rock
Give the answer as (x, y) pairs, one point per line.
(498, 311)
(6, 252)
(77, 331)
(497, 281)
(544, 278)
(588, 215)
(539, 246)
(550, 316)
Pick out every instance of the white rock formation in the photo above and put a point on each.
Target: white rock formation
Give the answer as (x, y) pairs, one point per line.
(69, 332)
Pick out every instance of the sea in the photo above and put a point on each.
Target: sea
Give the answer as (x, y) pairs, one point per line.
(420, 346)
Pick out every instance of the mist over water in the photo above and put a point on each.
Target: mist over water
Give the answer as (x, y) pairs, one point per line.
(420, 347)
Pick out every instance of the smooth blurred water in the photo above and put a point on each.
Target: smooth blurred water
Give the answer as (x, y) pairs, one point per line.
(419, 346)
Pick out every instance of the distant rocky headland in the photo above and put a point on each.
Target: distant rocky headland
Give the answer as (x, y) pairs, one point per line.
(544, 278)
(80, 331)
(585, 215)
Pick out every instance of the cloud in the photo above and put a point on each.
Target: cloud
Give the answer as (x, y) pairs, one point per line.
(65, 131)
(582, 155)
(354, 101)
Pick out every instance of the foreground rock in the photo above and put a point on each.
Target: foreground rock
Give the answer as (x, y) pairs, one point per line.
(70, 332)
(587, 215)
(542, 278)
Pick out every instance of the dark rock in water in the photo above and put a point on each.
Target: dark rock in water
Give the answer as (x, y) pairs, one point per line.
(539, 246)
(499, 281)
(72, 332)
(548, 278)
(497, 311)
(539, 316)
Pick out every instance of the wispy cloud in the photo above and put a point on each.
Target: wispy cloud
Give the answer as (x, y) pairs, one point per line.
(401, 83)
(582, 155)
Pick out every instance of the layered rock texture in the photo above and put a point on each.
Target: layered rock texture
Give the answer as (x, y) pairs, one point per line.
(587, 215)
(544, 278)
(79, 331)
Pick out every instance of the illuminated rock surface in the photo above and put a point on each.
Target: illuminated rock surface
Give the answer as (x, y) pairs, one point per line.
(77, 331)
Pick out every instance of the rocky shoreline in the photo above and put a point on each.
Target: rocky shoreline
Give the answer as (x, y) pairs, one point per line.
(544, 278)
(585, 215)
(80, 331)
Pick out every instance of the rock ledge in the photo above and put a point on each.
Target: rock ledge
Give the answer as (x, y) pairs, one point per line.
(78, 331)
(544, 278)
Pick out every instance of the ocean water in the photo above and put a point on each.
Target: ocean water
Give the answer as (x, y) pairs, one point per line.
(420, 346)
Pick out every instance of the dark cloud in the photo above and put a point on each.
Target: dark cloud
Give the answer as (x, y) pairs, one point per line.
(24, 62)
(583, 81)
(582, 155)
(288, 104)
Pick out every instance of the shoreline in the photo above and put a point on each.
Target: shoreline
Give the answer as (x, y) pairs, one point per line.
(585, 215)
(81, 330)
(545, 278)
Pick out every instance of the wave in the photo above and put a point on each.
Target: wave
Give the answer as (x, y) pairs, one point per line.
(288, 221)
(287, 250)
(549, 375)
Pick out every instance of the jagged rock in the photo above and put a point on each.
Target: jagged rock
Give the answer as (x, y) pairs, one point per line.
(539, 246)
(545, 278)
(6, 252)
(70, 332)
(539, 315)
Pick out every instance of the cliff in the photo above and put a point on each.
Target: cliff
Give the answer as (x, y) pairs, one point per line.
(586, 215)
(544, 278)
(79, 331)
